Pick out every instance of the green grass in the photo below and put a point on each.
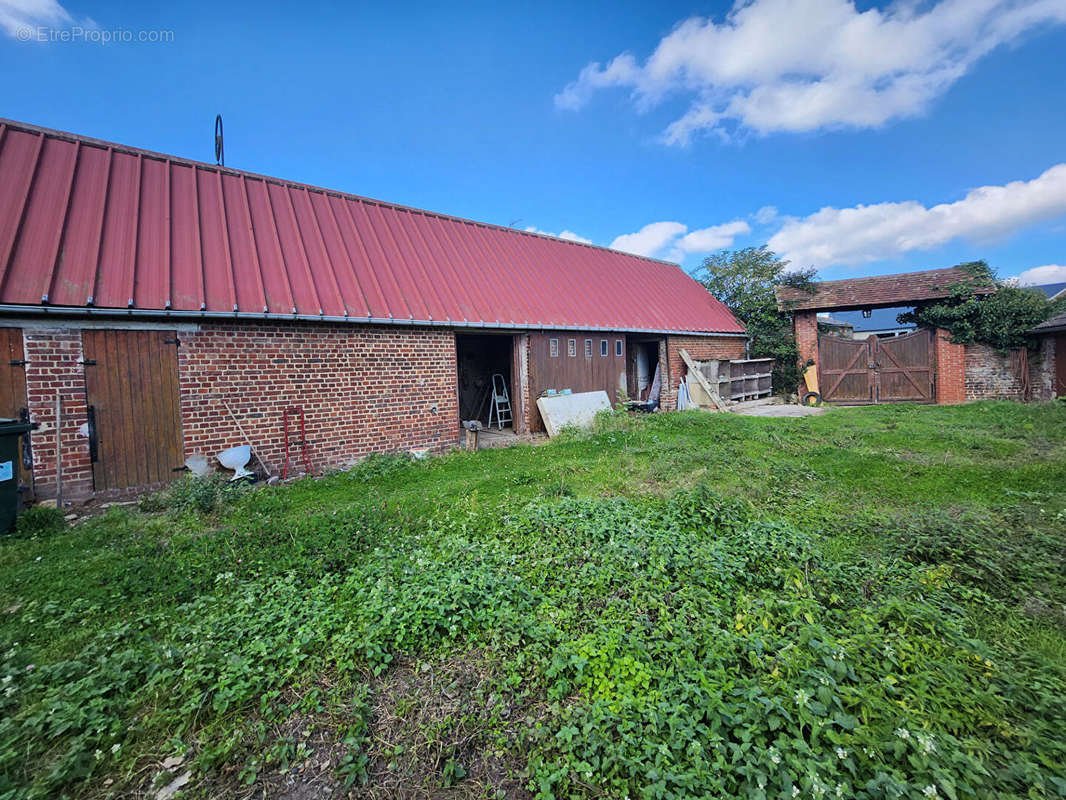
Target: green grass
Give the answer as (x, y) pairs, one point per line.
(666, 606)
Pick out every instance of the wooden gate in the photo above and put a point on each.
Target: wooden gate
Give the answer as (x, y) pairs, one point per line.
(13, 403)
(896, 370)
(131, 384)
(904, 366)
(845, 370)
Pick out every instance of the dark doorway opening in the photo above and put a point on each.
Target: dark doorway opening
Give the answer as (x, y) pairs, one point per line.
(480, 357)
(642, 363)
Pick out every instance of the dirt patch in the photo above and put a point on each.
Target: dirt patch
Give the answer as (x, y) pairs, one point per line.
(438, 730)
(434, 731)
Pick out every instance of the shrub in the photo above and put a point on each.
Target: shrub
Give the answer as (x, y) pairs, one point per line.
(40, 521)
(195, 494)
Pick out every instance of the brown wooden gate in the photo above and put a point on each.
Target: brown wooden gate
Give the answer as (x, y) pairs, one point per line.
(904, 366)
(13, 403)
(845, 370)
(131, 383)
(896, 370)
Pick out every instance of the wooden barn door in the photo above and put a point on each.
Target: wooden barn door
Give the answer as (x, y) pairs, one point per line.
(844, 370)
(13, 403)
(131, 382)
(904, 367)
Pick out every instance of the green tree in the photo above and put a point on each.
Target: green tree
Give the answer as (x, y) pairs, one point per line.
(744, 281)
(1000, 320)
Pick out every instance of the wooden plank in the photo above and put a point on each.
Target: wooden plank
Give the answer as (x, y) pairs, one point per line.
(713, 398)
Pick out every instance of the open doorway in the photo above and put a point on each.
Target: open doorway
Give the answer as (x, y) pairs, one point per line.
(642, 368)
(479, 358)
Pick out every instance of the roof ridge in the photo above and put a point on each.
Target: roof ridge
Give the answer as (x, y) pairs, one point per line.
(118, 147)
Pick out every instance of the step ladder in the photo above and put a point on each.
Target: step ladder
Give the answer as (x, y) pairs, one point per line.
(500, 402)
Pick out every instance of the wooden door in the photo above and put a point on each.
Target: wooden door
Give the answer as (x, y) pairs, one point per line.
(131, 383)
(845, 370)
(13, 403)
(904, 366)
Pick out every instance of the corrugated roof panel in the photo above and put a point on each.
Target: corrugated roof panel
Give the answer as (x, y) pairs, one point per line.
(408, 284)
(323, 268)
(478, 269)
(475, 291)
(114, 275)
(243, 253)
(187, 276)
(532, 295)
(152, 286)
(395, 303)
(18, 161)
(80, 247)
(219, 290)
(356, 251)
(93, 224)
(275, 278)
(293, 253)
(32, 263)
(427, 279)
(449, 283)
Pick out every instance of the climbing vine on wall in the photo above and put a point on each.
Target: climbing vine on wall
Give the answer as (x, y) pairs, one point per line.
(973, 315)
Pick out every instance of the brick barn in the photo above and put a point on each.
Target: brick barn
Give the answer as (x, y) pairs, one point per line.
(166, 307)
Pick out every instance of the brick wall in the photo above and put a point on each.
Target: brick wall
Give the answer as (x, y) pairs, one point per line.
(54, 368)
(950, 364)
(991, 375)
(806, 328)
(363, 390)
(699, 348)
(1044, 384)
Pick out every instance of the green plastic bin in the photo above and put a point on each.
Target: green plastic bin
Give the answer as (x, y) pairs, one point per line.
(10, 431)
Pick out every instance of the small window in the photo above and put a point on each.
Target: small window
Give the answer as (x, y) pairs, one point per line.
(618, 347)
(553, 348)
(588, 348)
(571, 347)
(603, 348)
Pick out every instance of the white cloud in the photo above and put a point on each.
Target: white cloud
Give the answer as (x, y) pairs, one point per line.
(18, 17)
(568, 235)
(766, 215)
(714, 238)
(1038, 276)
(845, 236)
(801, 65)
(650, 239)
(676, 241)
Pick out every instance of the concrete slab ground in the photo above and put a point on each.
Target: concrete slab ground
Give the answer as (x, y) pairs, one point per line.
(772, 407)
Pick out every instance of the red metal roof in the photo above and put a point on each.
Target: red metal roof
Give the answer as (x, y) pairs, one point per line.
(91, 226)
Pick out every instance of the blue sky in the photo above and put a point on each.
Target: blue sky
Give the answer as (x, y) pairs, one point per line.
(856, 139)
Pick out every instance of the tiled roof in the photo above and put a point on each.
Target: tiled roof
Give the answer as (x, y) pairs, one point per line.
(1056, 323)
(90, 226)
(900, 289)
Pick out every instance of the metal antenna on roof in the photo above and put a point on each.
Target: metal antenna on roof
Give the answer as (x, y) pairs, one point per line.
(220, 152)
